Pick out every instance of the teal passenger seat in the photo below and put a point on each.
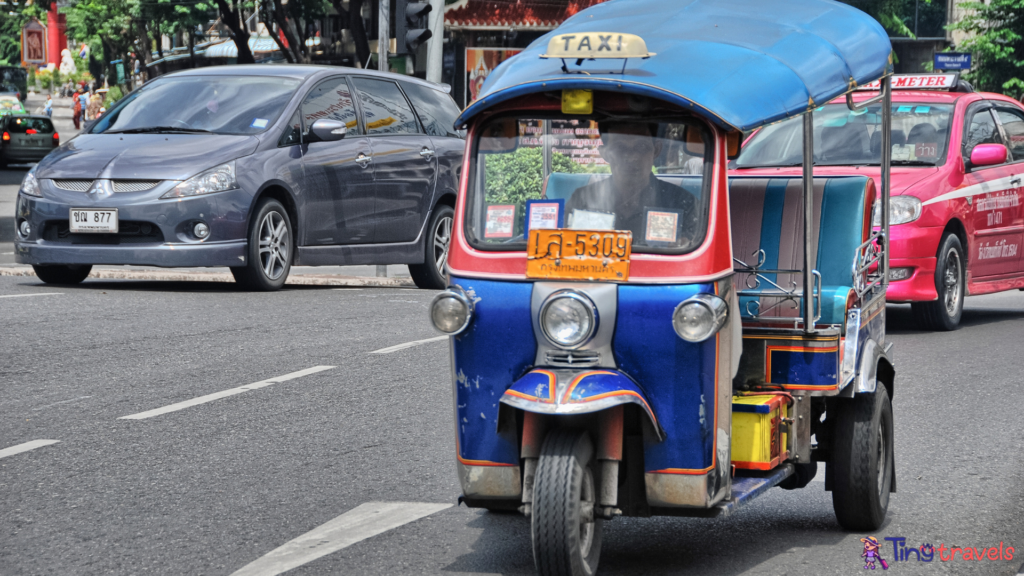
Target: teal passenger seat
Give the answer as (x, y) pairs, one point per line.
(767, 214)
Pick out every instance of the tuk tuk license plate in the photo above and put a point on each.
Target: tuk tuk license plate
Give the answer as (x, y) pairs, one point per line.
(97, 221)
(562, 254)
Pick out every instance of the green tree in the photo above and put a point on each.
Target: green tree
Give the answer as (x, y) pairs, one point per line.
(996, 38)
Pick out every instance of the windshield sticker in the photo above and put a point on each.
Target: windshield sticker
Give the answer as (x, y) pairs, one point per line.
(923, 109)
(662, 226)
(903, 152)
(544, 214)
(591, 220)
(500, 221)
(259, 122)
(926, 150)
(904, 109)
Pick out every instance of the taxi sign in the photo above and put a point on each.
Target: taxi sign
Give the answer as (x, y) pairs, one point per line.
(590, 45)
(563, 254)
(916, 82)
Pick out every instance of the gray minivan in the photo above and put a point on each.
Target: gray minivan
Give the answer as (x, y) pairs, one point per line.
(256, 168)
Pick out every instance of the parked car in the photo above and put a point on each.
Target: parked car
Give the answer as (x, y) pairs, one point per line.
(256, 168)
(10, 104)
(957, 165)
(25, 139)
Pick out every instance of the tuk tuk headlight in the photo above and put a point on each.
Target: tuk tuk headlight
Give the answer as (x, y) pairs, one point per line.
(451, 311)
(698, 318)
(568, 319)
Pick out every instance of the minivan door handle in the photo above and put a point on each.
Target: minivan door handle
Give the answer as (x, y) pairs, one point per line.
(426, 152)
(363, 160)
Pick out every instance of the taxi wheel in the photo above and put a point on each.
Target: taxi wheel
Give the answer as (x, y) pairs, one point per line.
(950, 283)
(862, 460)
(270, 250)
(62, 274)
(566, 534)
(431, 275)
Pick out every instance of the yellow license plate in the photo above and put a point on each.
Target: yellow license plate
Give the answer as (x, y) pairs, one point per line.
(579, 254)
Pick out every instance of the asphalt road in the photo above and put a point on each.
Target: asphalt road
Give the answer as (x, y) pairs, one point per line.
(215, 486)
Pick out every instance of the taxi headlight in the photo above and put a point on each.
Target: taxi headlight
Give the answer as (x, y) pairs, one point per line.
(568, 319)
(218, 179)
(902, 209)
(698, 318)
(30, 184)
(451, 311)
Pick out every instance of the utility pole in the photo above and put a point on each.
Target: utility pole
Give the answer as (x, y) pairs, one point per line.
(435, 46)
(383, 35)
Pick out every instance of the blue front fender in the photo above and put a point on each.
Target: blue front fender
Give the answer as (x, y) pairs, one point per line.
(577, 392)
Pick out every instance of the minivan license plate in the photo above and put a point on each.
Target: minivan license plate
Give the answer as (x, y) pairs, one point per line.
(96, 221)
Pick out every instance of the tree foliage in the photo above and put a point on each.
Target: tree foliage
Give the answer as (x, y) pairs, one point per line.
(517, 177)
(996, 39)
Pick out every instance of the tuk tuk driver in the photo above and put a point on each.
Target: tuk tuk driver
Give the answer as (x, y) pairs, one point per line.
(632, 198)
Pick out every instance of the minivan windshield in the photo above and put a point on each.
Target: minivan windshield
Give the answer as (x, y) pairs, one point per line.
(650, 177)
(199, 104)
(843, 137)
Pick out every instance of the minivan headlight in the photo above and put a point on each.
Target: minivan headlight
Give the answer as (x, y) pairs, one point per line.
(218, 179)
(902, 209)
(30, 184)
(568, 319)
(451, 311)
(699, 317)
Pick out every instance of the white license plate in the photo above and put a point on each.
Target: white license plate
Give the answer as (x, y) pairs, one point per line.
(88, 220)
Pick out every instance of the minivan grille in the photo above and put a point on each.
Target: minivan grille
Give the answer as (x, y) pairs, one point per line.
(573, 357)
(134, 185)
(77, 185)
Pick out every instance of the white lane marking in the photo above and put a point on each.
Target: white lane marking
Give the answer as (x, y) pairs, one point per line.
(26, 295)
(224, 394)
(347, 289)
(25, 447)
(61, 402)
(398, 347)
(362, 522)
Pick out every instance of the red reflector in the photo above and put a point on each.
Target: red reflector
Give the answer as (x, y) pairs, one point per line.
(31, 131)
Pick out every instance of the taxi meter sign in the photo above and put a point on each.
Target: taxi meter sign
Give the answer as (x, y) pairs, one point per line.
(591, 45)
(916, 82)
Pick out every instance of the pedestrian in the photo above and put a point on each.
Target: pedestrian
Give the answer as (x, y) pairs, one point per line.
(83, 98)
(93, 111)
(48, 107)
(76, 110)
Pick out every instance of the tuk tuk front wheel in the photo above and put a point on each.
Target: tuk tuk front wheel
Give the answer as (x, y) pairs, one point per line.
(566, 534)
(862, 461)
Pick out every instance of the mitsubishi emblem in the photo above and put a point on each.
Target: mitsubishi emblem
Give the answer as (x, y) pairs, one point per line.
(100, 189)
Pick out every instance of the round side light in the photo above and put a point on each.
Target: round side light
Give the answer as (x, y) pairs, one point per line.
(698, 318)
(201, 230)
(451, 311)
(25, 229)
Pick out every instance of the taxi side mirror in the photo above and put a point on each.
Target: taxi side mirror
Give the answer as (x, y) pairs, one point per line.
(988, 155)
(733, 140)
(695, 144)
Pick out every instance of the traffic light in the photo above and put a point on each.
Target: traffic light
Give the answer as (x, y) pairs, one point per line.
(411, 27)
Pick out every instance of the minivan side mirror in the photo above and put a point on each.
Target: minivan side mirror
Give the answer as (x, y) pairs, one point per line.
(988, 155)
(324, 130)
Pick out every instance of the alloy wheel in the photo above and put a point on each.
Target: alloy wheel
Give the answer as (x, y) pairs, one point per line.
(442, 238)
(275, 245)
(951, 279)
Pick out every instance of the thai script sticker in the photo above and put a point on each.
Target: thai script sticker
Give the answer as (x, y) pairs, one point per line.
(591, 220)
(661, 226)
(500, 221)
(579, 254)
(544, 214)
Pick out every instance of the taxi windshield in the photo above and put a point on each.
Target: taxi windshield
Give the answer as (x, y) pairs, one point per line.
(215, 104)
(649, 177)
(843, 137)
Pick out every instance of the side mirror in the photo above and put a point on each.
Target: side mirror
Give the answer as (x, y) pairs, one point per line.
(324, 130)
(988, 155)
(733, 141)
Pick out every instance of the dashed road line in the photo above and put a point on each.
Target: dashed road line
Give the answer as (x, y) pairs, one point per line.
(224, 394)
(25, 447)
(27, 295)
(358, 524)
(398, 347)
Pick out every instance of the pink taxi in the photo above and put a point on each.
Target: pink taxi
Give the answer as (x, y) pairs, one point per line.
(957, 165)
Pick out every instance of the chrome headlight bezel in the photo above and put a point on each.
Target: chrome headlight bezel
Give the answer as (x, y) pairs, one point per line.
(586, 335)
(715, 308)
(205, 183)
(459, 295)
(30, 184)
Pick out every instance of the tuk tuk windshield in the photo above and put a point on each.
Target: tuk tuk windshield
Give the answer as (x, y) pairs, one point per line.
(646, 176)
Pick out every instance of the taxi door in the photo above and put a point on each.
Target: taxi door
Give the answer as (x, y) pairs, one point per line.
(995, 208)
(1011, 120)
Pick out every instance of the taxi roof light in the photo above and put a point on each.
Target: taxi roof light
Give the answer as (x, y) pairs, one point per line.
(592, 45)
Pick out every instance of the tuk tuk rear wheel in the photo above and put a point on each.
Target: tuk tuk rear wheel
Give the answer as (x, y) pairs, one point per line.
(862, 461)
(566, 534)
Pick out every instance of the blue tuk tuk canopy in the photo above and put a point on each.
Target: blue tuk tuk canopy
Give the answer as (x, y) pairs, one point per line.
(740, 63)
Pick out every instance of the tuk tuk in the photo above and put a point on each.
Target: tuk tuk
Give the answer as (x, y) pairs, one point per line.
(632, 332)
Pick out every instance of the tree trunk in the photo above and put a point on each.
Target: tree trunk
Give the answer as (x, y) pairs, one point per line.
(287, 27)
(238, 32)
(159, 40)
(145, 46)
(355, 24)
(192, 46)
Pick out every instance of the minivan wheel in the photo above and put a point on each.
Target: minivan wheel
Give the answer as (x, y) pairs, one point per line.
(269, 254)
(62, 274)
(431, 275)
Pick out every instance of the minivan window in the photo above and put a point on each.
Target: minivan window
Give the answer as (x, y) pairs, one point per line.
(331, 99)
(217, 104)
(385, 109)
(436, 110)
(23, 125)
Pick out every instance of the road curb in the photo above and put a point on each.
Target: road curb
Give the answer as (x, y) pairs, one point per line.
(171, 276)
